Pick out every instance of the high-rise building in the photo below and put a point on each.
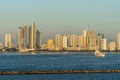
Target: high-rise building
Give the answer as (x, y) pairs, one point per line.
(80, 41)
(112, 46)
(8, 41)
(118, 41)
(22, 38)
(103, 44)
(65, 41)
(50, 45)
(32, 36)
(91, 40)
(73, 41)
(100, 36)
(38, 39)
(84, 39)
(58, 42)
(25, 37)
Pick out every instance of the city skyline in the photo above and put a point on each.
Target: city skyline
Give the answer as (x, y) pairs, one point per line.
(61, 17)
(31, 39)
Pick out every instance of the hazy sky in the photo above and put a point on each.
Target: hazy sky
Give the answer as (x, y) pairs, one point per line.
(61, 16)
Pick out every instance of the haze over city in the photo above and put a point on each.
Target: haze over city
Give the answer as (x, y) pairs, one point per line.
(61, 16)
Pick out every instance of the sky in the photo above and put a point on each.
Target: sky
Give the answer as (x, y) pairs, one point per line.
(61, 16)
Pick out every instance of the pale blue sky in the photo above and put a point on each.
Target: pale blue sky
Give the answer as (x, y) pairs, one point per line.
(61, 16)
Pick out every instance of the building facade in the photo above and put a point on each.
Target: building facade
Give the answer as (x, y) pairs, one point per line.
(91, 40)
(58, 42)
(8, 41)
(65, 41)
(112, 46)
(32, 36)
(103, 44)
(38, 39)
(118, 41)
(84, 39)
(73, 41)
(80, 41)
(100, 37)
(22, 38)
(50, 44)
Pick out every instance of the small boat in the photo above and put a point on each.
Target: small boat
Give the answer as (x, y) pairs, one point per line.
(33, 53)
(99, 54)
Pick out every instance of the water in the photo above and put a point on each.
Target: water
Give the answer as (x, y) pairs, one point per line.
(59, 61)
(94, 76)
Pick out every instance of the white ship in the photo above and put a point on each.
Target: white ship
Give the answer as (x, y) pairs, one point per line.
(99, 54)
(26, 50)
(33, 53)
(23, 50)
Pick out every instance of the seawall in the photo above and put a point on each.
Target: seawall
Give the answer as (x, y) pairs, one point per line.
(57, 72)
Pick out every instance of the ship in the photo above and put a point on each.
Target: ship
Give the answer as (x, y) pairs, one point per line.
(99, 53)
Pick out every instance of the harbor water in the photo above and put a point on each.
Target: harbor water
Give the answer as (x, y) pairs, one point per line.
(60, 61)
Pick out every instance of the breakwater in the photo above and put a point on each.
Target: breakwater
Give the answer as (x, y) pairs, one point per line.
(57, 72)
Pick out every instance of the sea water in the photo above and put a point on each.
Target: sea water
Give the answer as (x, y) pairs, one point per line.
(59, 61)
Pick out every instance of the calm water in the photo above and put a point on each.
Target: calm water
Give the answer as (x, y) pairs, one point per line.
(59, 61)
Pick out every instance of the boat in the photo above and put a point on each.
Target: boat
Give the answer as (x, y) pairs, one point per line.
(99, 54)
(23, 50)
(26, 50)
(33, 53)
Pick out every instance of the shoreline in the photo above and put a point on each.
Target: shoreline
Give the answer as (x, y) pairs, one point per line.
(59, 51)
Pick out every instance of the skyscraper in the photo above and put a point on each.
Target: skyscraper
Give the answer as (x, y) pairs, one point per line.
(84, 39)
(118, 41)
(65, 41)
(8, 41)
(80, 41)
(38, 39)
(58, 42)
(73, 41)
(103, 44)
(22, 38)
(25, 37)
(32, 36)
(100, 36)
(91, 40)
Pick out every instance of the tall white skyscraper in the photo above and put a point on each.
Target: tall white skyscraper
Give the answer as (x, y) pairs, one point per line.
(118, 41)
(32, 36)
(65, 41)
(8, 41)
(103, 44)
